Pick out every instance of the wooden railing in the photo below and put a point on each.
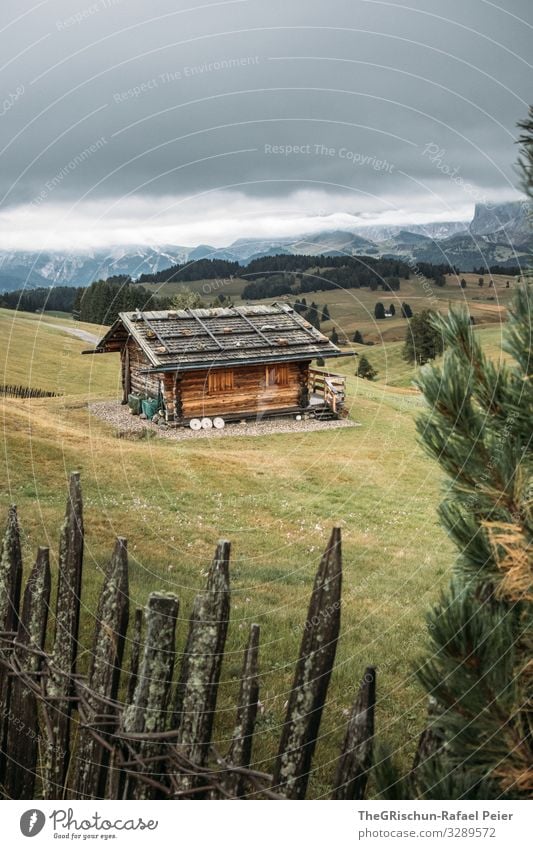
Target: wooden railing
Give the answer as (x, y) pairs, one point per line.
(331, 386)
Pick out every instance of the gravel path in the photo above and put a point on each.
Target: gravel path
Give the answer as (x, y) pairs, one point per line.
(128, 426)
(74, 331)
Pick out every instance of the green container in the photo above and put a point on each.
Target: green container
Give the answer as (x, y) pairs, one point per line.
(150, 407)
(134, 403)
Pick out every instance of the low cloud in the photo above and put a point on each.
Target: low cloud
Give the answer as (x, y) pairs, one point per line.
(232, 116)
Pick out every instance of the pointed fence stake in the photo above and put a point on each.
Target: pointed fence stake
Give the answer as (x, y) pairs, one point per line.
(311, 680)
(64, 653)
(149, 709)
(356, 756)
(23, 729)
(104, 674)
(240, 750)
(10, 584)
(201, 666)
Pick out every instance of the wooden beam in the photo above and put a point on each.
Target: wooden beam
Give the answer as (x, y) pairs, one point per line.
(255, 329)
(205, 328)
(159, 337)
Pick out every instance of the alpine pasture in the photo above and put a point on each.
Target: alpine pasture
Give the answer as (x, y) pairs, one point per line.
(275, 497)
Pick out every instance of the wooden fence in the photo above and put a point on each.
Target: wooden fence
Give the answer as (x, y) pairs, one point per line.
(128, 731)
(13, 391)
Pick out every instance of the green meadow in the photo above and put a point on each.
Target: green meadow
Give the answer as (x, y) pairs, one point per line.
(275, 497)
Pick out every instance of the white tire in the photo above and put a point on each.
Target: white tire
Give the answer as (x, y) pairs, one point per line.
(195, 424)
(206, 423)
(219, 422)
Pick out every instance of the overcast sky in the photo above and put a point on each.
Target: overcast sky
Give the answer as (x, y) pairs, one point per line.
(182, 121)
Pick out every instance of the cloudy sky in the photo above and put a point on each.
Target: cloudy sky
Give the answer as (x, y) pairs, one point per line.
(186, 122)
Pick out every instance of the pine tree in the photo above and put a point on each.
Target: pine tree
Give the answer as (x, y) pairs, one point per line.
(187, 299)
(365, 369)
(463, 283)
(379, 311)
(392, 309)
(334, 337)
(525, 160)
(312, 316)
(479, 743)
(358, 337)
(423, 339)
(325, 313)
(407, 312)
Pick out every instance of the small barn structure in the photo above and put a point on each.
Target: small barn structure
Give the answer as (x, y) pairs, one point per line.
(226, 363)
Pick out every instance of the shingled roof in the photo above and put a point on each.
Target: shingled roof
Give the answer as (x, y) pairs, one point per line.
(227, 336)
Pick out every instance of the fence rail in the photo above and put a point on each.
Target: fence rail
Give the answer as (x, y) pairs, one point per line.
(143, 730)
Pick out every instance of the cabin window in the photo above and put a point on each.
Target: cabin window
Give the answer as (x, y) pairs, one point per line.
(219, 381)
(277, 375)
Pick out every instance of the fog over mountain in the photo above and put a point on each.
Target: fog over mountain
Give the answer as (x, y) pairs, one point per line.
(495, 236)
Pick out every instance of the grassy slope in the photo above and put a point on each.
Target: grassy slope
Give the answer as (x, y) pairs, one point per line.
(275, 497)
(353, 309)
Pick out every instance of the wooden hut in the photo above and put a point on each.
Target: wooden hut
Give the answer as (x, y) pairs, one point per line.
(226, 363)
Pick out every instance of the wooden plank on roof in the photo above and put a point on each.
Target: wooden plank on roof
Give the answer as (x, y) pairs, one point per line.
(309, 330)
(205, 328)
(155, 332)
(254, 328)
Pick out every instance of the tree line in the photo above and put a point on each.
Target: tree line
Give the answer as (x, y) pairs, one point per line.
(102, 301)
(282, 274)
(200, 269)
(57, 298)
(99, 303)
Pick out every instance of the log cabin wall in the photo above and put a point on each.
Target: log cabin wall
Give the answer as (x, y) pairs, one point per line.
(249, 393)
(139, 384)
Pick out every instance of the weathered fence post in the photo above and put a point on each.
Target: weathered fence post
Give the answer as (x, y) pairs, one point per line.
(117, 776)
(135, 653)
(10, 584)
(23, 727)
(63, 661)
(181, 686)
(148, 711)
(356, 756)
(311, 680)
(202, 662)
(104, 674)
(240, 749)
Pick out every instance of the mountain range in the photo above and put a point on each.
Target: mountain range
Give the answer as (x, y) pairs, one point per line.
(499, 234)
